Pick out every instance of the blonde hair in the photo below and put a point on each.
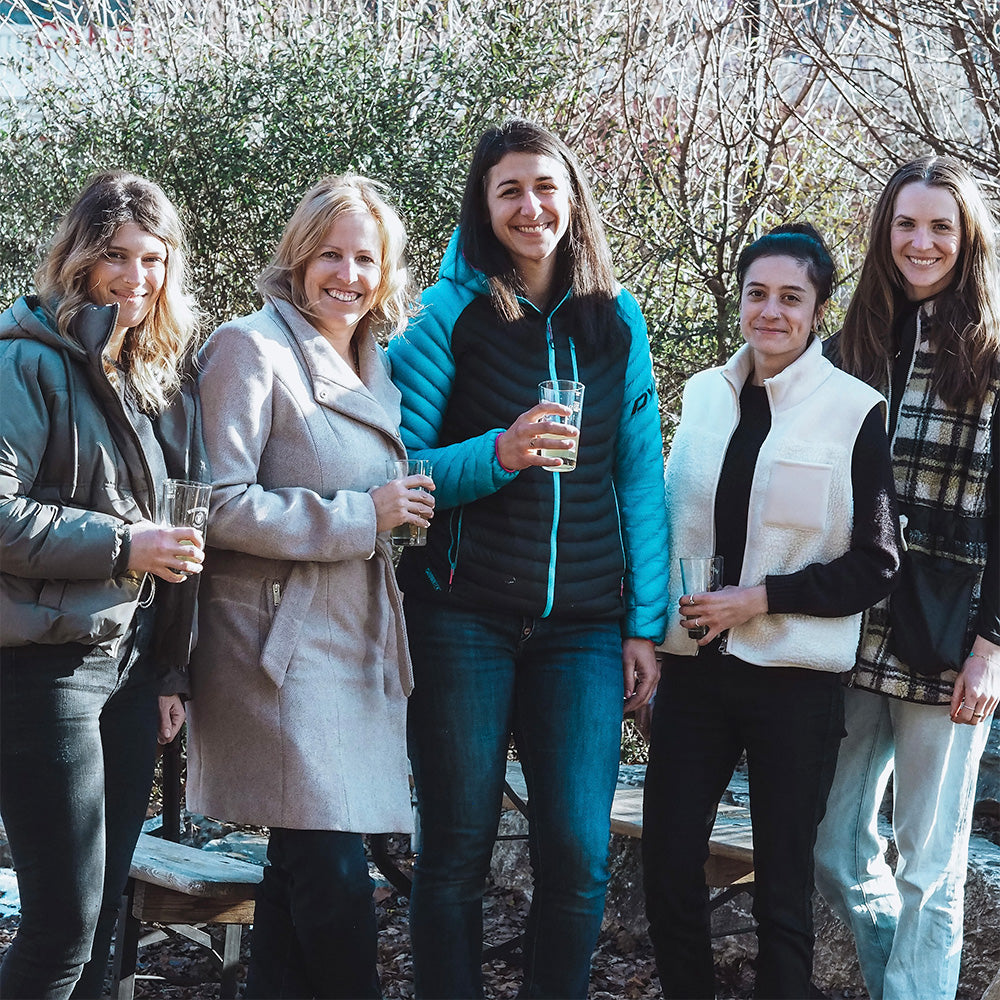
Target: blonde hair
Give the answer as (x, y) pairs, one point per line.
(319, 208)
(155, 348)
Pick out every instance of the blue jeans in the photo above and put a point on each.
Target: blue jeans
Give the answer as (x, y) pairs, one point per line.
(790, 721)
(314, 931)
(907, 926)
(77, 747)
(557, 686)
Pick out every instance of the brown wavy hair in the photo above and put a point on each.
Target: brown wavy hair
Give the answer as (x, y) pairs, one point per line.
(965, 322)
(156, 347)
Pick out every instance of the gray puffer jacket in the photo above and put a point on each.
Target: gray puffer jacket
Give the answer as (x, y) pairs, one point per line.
(73, 475)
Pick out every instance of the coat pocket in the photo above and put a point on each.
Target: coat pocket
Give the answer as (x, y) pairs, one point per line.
(798, 495)
(288, 618)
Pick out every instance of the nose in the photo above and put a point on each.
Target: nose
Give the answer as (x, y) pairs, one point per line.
(347, 270)
(771, 306)
(922, 238)
(531, 206)
(134, 273)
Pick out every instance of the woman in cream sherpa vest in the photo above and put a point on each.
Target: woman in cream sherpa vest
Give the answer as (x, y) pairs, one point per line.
(923, 327)
(780, 464)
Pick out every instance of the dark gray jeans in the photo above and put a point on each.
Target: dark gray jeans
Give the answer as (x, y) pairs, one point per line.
(77, 747)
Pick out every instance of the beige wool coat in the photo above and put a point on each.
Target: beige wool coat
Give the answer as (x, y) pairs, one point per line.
(301, 673)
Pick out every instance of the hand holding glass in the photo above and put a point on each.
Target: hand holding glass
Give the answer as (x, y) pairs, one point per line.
(566, 393)
(700, 575)
(185, 505)
(407, 533)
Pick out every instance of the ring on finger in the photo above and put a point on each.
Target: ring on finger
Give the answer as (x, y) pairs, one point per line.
(978, 715)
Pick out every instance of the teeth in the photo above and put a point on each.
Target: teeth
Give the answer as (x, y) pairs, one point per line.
(531, 229)
(917, 262)
(342, 296)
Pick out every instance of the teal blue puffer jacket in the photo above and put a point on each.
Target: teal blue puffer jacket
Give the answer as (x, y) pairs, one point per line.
(587, 545)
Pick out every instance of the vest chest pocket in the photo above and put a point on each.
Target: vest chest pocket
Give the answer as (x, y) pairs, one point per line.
(798, 495)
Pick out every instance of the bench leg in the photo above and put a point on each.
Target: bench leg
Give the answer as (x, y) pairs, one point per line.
(126, 947)
(231, 961)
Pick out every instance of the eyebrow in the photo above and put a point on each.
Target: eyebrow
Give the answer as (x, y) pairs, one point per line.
(333, 246)
(783, 288)
(910, 218)
(516, 180)
(142, 253)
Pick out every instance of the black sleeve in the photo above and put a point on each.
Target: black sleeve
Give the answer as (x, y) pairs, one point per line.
(989, 598)
(867, 571)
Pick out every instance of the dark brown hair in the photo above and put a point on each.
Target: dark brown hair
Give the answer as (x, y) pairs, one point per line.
(584, 258)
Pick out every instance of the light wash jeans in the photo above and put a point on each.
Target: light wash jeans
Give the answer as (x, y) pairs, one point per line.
(907, 927)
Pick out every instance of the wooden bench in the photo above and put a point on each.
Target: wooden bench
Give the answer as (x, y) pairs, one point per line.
(730, 861)
(181, 888)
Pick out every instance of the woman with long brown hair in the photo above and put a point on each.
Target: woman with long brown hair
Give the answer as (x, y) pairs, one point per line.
(534, 606)
(924, 328)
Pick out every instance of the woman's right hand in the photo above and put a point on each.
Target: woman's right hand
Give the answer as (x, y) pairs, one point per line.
(403, 501)
(517, 447)
(172, 554)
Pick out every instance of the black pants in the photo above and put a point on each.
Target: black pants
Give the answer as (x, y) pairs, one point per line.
(790, 722)
(77, 747)
(314, 932)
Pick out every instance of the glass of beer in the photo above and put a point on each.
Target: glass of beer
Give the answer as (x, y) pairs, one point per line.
(408, 534)
(570, 394)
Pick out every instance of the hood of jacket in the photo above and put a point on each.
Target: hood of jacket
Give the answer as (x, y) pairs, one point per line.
(454, 267)
(90, 329)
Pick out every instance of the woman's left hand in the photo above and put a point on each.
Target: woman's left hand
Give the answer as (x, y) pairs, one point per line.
(172, 716)
(977, 687)
(641, 672)
(721, 609)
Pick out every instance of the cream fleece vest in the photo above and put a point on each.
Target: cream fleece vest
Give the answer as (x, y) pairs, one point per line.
(801, 499)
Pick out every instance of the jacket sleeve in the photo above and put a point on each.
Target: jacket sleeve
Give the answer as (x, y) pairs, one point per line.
(238, 388)
(45, 540)
(638, 479)
(423, 369)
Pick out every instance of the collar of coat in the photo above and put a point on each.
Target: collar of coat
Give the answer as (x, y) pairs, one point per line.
(370, 398)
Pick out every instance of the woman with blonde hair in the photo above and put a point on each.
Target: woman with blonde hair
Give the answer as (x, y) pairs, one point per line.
(923, 327)
(94, 420)
(302, 672)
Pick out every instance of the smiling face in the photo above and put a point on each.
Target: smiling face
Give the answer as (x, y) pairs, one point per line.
(925, 237)
(130, 274)
(342, 278)
(527, 195)
(778, 310)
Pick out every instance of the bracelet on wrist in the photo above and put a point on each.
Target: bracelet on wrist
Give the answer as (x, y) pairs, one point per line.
(983, 657)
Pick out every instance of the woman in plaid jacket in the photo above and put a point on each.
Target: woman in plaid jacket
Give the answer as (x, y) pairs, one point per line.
(924, 328)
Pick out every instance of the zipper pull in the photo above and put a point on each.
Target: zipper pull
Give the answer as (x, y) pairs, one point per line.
(724, 643)
(276, 593)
